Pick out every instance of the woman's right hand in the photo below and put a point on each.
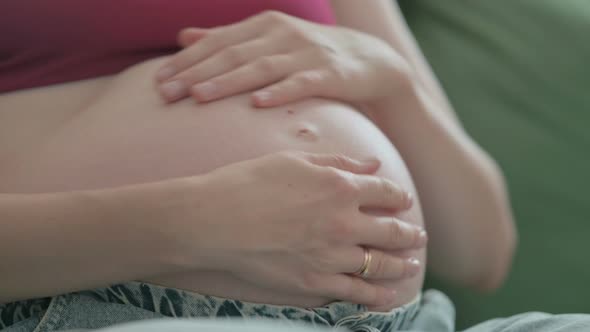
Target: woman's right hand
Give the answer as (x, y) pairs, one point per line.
(292, 222)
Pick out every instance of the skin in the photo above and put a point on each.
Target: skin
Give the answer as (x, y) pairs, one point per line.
(285, 59)
(123, 239)
(175, 140)
(480, 262)
(473, 176)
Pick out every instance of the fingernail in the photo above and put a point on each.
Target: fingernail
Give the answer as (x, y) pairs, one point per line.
(409, 199)
(165, 73)
(422, 238)
(413, 267)
(262, 96)
(173, 90)
(205, 91)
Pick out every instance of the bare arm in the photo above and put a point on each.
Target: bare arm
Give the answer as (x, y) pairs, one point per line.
(76, 240)
(80, 240)
(472, 235)
(383, 19)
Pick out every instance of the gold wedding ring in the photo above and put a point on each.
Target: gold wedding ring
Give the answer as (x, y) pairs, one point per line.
(363, 271)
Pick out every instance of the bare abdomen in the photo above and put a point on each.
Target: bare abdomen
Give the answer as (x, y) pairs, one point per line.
(127, 135)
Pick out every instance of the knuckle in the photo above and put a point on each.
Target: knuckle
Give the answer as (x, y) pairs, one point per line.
(266, 65)
(274, 16)
(387, 187)
(234, 56)
(346, 290)
(182, 60)
(339, 72)
(379, 267)
(353, 291)
(358, 291)
(300, 80)
(336, 66)
(309, 282)
(340, 229)
(395, 232)
(228, 82)
(212, 40)
(323, 261)
(326, 55)
(298, 35)
(307, 78)
(340, 161)
(342, 184)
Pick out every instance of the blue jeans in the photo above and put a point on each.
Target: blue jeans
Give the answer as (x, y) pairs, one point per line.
(135, 301)
(139, 307)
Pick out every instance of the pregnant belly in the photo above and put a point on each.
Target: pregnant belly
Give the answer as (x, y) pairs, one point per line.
(126, 135)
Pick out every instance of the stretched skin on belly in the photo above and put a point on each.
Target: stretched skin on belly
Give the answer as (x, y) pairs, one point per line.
(127, 134)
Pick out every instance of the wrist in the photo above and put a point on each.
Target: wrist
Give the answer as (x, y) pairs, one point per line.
(397, 105)
(176, 218)
(146, 213)
(403, 93)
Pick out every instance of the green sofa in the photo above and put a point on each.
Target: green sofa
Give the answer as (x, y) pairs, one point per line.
(518, 74)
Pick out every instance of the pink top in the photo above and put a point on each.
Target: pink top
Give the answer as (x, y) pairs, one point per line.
(49, 42)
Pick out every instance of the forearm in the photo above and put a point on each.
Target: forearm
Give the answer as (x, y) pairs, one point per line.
(59, 242)
(384, 19)
(472, 236)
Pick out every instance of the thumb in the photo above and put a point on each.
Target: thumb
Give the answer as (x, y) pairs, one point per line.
(189, 36)
(342, 162)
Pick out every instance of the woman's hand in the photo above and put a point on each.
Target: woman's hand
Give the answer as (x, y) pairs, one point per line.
(292, 222)
(285, 59)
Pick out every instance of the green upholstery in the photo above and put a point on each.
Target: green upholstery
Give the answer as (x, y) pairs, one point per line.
(518, 74)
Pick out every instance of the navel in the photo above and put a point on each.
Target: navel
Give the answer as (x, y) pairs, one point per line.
(306, 132)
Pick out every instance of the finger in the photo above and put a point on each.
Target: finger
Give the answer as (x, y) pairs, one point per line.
(189, 36)
(301, 85)
(355, 290)
(349, 259)
(342, 162)
(220, 63)
(263, 71)
(389, 234)
(214, 41)
(384, 266)
(378, 192)
(228, 59)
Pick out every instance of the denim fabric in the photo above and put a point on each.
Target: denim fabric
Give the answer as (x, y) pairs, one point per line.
(135, 301)
(138, 307)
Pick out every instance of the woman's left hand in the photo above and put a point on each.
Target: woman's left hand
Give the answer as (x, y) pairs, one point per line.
(282, 59)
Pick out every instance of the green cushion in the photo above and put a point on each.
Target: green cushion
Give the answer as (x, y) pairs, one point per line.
(518, 75)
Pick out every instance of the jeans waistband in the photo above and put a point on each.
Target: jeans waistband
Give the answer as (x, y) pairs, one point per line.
(136, 301)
